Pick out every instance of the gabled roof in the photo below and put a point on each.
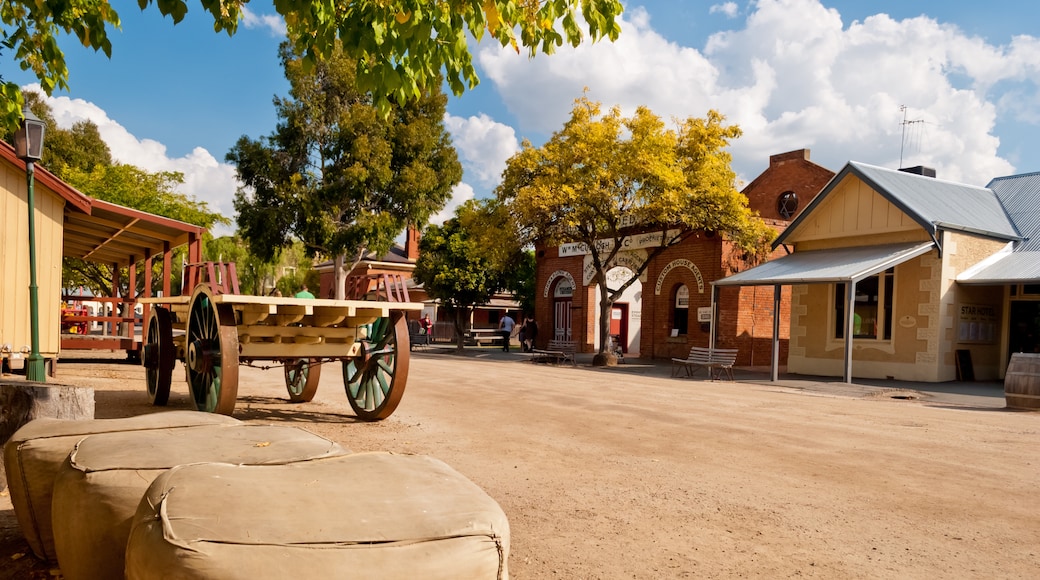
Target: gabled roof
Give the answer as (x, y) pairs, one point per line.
(75, 199)
(933, 203)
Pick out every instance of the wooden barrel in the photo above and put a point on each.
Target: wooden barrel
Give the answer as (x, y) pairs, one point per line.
(1022, 382)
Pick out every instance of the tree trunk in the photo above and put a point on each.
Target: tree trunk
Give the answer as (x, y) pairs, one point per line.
(460, 333)
(24, 401)
(604, 357)
(340, 278)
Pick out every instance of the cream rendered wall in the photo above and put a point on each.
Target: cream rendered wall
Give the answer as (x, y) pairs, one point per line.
(960, 252)
(853, 214)
(14, 262)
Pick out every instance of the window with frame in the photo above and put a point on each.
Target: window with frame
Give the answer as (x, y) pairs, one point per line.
(681, 310)
(872, 308)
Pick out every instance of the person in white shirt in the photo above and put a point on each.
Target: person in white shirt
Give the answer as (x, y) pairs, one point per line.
(505, 328)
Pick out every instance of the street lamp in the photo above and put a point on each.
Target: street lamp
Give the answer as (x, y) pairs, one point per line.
(28, 146)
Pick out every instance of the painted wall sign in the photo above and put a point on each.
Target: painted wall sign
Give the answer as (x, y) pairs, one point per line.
(627, 260)
(683, 263)
(553, 277)
(977, 323)
(636, 242)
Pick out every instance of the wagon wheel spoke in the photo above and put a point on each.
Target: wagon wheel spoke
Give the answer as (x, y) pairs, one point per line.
(212, 353)
(376, 378)
(301, 379)
(159, 355)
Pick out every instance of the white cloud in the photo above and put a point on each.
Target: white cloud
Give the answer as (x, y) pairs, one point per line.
(459, 195)
(205, 179)
(796, 76)
(273, 23)
(729, 9)
(483, 145)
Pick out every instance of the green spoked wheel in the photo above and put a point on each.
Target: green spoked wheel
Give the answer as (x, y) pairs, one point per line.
(159, 355)
(301, 379)
(376, 378)
(211, 356)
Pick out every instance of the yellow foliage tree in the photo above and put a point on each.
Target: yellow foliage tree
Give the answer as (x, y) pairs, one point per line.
(604, 177)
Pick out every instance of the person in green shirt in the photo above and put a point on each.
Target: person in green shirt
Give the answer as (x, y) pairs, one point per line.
(305, 293)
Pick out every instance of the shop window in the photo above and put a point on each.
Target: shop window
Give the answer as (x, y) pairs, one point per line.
(872, 308)
(681, 310)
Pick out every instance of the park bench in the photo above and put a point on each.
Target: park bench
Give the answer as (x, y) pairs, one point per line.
(715, 360)
(557, 351)
(479, 336)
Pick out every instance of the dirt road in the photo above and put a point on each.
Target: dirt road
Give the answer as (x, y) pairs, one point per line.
(611, 474)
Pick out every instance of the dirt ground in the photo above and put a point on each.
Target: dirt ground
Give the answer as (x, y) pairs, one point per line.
(617, 473)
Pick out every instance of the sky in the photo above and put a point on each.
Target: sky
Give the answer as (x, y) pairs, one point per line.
(949, 84)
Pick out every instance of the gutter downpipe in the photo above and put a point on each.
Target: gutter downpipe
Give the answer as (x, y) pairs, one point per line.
(774, 370)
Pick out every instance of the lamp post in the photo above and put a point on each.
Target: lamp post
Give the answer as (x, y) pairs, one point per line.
(28, 146)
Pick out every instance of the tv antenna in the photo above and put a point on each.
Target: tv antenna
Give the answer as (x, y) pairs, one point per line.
(902, 139)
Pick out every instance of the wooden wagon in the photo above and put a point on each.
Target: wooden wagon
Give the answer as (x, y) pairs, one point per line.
(213, 331)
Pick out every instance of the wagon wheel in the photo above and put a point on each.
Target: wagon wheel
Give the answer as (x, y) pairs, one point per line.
(301, 379)
(159, 355)
(376, 378)
(212, 353)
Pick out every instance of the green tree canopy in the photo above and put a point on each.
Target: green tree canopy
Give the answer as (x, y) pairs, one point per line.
(603, 177)
(337, 175)
(400, 47)
(458, 266)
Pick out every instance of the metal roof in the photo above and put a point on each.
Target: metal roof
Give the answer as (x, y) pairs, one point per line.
(1011, 268)
(1020, 195)
(933, 203)
(827, 266)
(1019, 264)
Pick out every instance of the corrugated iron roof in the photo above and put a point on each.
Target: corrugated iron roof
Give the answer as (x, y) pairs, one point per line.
(934, 203)
(827, 266)
(1013, 268)
(1020, 195)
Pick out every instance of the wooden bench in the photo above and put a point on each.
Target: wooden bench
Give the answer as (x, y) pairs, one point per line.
(481, 335)
(716, 360)
(558, 351)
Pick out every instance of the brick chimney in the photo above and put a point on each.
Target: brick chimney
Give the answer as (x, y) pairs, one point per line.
(796, 155)
(411, 242)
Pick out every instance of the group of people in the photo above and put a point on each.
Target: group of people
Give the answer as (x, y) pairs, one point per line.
(526, 332)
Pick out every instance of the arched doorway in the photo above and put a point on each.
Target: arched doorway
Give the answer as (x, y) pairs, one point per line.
(563, 297)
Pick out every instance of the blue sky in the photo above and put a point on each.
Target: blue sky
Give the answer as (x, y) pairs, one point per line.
(829, 75)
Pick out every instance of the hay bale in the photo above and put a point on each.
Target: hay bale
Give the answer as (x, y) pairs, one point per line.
(367, 515)
(101, 484)
(34, 455)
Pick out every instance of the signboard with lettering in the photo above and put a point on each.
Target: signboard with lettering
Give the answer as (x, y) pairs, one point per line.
(977, 323)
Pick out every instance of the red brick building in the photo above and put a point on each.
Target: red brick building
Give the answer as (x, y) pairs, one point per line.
(668, 310)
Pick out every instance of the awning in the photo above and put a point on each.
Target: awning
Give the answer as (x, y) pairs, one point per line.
(1008, 268)
(827, 266)
(112, 233)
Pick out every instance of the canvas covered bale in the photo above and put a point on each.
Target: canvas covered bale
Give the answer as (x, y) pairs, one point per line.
(101, 484)
(367, 515)
(34, 454)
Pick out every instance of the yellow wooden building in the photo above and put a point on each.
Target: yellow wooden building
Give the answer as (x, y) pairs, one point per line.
(71, 224)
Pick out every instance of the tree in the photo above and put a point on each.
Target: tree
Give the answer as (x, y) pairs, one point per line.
(457, 266)
(337, 175)
(400, 47)
(605, 177)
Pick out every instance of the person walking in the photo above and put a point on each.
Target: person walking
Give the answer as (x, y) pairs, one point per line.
(505, 328)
